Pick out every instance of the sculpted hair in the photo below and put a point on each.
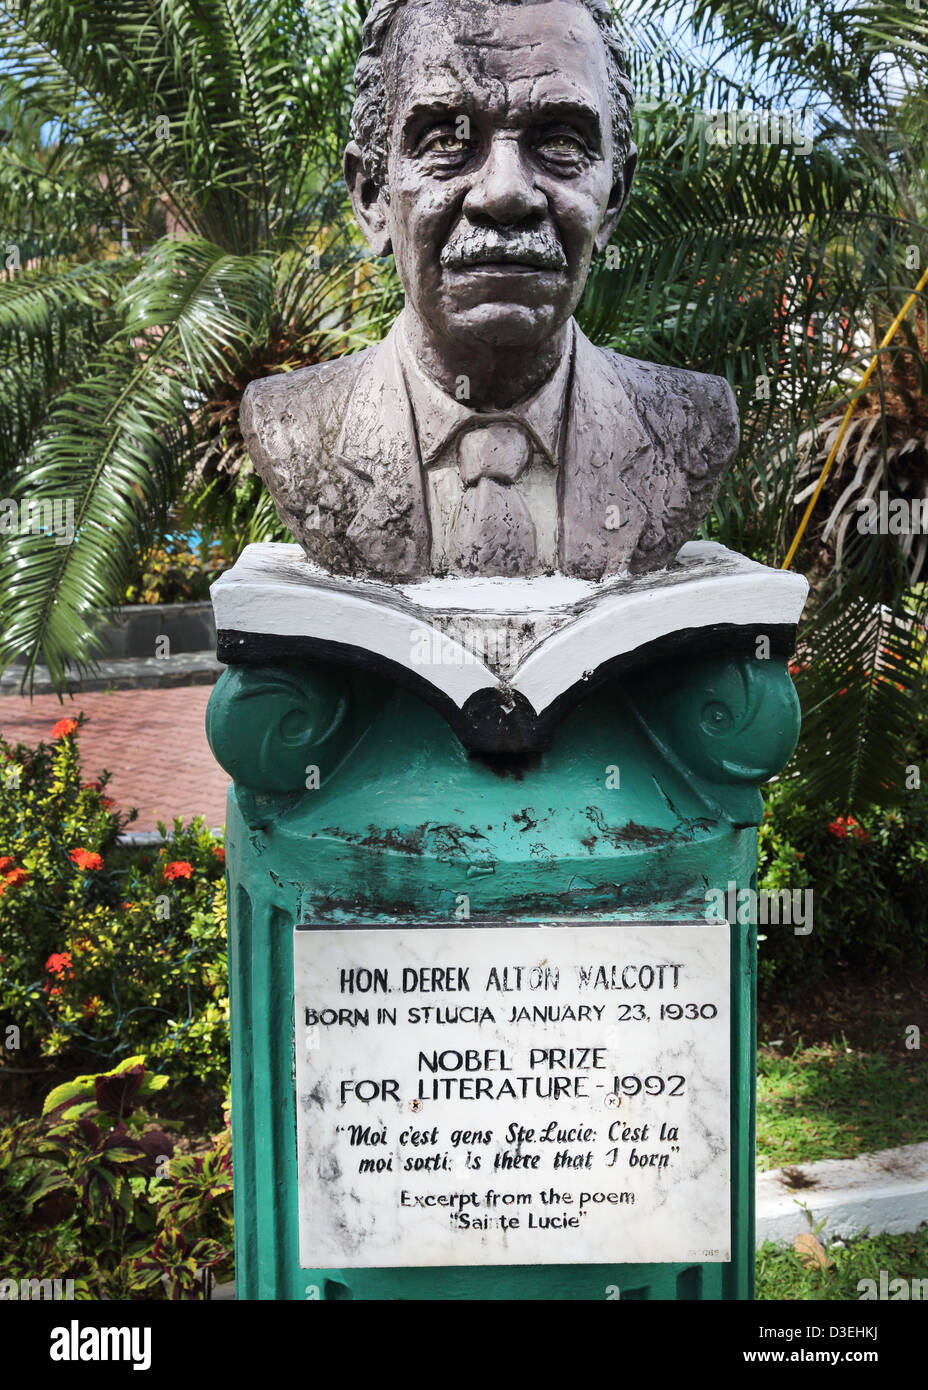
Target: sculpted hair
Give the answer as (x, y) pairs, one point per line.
(369, 118)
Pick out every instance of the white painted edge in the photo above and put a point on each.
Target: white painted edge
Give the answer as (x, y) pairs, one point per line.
(284, 563)
(333, 615)
(515, 597)
(617, 627)
(884, 1193)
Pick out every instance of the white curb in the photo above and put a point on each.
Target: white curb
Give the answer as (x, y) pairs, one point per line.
(883, 1192)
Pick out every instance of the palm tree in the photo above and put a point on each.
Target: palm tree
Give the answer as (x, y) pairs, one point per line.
(179, 230)
(780, 264)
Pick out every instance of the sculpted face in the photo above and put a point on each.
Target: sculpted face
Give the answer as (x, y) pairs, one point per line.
(500, 181)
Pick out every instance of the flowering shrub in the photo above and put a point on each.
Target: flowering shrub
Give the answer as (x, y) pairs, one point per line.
(94, 1193)
(106, 949)
(869, 878)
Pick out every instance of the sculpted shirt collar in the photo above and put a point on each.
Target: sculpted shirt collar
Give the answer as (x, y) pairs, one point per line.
(439, 416)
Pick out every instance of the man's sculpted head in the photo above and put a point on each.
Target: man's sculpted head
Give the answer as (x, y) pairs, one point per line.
(492, 155)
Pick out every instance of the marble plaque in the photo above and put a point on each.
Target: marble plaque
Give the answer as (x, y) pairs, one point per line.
(541, 1093)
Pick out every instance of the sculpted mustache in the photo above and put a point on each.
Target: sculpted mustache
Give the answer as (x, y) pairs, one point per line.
(524, 248)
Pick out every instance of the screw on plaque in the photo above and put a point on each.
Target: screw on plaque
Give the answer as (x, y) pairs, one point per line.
(613, 1102)
(415, 1105)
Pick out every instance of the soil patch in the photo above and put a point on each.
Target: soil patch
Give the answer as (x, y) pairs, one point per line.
(871, 1014)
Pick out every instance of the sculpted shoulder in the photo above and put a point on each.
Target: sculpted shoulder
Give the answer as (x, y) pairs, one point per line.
(692, 424)
(659, 439)
(291, 424)
(691, 416)
(282, 414)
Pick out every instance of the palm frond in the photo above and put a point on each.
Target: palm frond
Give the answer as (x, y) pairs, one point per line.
(114, 444)
(862, 676)
(52, 318)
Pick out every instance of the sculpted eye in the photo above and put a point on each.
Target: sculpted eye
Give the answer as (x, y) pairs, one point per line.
(444, 142)
(561, 144)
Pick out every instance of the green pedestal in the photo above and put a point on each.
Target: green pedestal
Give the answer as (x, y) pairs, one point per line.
(353, 801)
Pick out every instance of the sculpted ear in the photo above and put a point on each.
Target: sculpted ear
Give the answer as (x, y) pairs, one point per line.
(618, 200)
(367, 201)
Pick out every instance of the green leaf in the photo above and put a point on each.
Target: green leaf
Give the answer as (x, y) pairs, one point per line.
(79, 1090)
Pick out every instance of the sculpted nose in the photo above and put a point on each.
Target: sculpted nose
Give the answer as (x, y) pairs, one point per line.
(503, 189)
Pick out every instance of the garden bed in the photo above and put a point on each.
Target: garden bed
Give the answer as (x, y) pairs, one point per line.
(837, 1074)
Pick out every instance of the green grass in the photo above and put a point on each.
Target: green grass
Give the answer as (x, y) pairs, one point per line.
(835, 1102)
(780, 1275)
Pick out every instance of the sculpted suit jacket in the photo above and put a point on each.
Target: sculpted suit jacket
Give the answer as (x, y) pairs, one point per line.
(644, 448)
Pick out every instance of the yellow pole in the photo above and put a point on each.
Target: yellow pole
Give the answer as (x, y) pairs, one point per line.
(847, 417)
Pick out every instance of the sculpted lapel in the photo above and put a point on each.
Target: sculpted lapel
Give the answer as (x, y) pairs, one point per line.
(604, 492)
(646, 448)
(390, 529)
(601, 518)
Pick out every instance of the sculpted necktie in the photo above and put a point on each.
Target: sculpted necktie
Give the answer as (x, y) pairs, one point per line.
(493, 532)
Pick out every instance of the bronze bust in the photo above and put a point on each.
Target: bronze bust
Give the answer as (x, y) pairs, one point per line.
(492, 154)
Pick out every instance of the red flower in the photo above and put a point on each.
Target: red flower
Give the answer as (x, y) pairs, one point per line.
(59, 965)
(64, 727)
(127, 906)
(219, 853)
(16, 876)
(6, 862)
(107, 803)
(840, 827)
(86, 858)
(178, 868)
(92, 787)
(92, 1006)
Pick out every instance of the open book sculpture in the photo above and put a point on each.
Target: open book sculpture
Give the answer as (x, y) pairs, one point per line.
(504, 659)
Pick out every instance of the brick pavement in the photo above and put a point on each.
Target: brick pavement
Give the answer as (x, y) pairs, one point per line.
(152, 741)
